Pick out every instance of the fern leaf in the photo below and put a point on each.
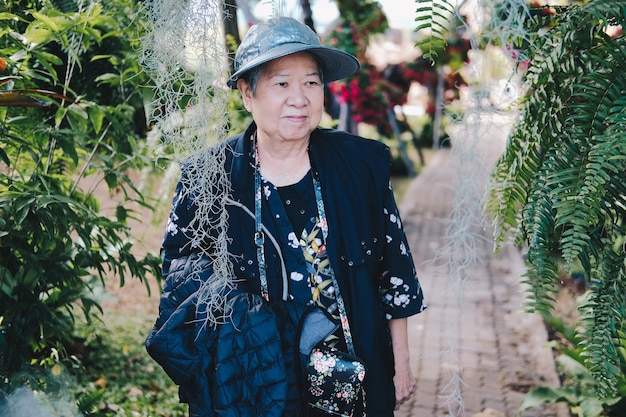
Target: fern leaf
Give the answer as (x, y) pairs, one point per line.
(602, 315)
(433, 17)
(559, 183)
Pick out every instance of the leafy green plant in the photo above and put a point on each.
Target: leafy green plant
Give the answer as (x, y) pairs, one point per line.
(434, 18)
(560, 183)
(110, 375)
(70, 125)
(360, 21)
(579, 387)
(115, 366)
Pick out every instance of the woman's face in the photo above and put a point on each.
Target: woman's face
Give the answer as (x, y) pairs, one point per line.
(289, 99)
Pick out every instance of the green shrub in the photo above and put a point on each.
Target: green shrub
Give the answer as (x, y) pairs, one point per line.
(70, 102)
(560, 183)
(579, 388)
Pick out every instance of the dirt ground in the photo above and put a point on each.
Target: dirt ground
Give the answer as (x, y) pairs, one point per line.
(133, 298)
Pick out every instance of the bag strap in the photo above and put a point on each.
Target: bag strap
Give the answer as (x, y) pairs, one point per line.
(259, 239)
(345, 325)
(260, 233)
(340, 304)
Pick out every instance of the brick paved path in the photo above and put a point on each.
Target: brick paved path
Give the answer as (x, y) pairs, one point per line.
(473, 329)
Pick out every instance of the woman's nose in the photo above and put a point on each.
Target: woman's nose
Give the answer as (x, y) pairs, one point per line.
(297, 96)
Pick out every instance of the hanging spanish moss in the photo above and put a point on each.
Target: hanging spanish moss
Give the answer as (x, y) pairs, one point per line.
(184, 52)
(475, 148)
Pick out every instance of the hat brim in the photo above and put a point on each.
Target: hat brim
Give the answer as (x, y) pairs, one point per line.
(336, 64)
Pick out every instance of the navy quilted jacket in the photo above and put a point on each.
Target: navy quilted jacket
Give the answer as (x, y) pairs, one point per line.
(236, 370)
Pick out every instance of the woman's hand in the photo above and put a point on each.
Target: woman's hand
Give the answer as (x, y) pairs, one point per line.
(403, 379)
(404, 383)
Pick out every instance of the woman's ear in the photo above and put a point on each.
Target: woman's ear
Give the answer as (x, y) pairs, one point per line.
(246, 93)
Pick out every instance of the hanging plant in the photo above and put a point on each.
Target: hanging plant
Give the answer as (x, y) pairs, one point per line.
(560, 183)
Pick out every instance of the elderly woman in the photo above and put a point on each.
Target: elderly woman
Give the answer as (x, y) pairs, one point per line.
(312, 222)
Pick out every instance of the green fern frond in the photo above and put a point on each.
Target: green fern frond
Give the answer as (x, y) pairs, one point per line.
(538, 226)
(433, 17)
(602, 315)
(513, 172)
(545, 116)
(541, 277)
(88, 402)
(600, 202)
(581, 208)
(560, 182)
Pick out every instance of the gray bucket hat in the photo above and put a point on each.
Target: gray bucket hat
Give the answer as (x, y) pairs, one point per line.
(280, 36)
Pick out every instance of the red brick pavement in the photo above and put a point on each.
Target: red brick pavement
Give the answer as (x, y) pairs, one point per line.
(474, 334)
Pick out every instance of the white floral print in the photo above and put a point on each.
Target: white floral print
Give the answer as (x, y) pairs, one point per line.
(296, 276)
(293, 240)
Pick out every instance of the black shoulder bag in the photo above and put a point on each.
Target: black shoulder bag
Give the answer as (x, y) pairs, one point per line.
(332, 379)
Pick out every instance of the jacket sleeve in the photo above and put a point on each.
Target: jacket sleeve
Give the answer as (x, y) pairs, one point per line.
(399, 287)
(177, 341)
(177, 241)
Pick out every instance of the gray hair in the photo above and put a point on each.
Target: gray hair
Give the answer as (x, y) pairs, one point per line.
(253, 76)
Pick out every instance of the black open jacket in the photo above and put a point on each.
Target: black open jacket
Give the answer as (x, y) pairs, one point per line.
(354, 174)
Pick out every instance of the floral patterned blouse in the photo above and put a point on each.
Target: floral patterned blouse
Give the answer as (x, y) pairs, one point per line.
(310, 283)
(304, 250)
